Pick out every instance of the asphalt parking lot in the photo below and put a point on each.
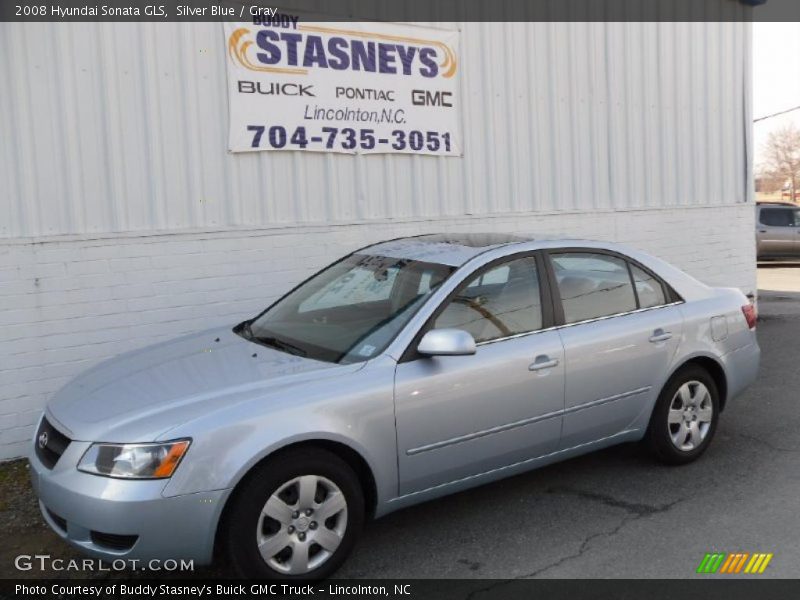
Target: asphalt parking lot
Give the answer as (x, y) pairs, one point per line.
(615, 513)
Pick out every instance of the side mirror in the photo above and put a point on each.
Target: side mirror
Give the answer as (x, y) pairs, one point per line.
(446, 342)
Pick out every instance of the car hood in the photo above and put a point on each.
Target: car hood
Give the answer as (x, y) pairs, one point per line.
(140, 395)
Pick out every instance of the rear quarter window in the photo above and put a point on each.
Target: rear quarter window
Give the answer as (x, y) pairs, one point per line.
(648, 288)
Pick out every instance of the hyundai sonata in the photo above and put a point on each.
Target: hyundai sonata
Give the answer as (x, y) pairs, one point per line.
(405, 371)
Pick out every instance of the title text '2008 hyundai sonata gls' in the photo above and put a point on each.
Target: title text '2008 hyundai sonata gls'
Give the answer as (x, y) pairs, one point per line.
(405, 371)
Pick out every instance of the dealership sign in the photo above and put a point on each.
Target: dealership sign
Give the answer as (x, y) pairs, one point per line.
(342, 87)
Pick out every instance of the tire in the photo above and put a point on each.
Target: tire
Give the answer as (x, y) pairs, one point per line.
(681, 427)
(284, 487)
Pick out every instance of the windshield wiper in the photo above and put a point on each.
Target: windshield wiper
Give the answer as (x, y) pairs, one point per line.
(276, 343)
(245, 328)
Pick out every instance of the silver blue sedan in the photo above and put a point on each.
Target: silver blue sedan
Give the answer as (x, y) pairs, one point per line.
(405, 371)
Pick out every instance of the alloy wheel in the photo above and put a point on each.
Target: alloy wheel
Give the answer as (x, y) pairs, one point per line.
(302, 524)
(690, 415)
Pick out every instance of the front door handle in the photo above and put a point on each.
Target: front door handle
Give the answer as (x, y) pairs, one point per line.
(543, 362)
(659, 335)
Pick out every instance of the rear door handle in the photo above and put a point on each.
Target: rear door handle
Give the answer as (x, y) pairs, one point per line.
(659, 335)
(543, 362)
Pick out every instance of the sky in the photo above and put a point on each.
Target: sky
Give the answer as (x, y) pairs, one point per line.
(776, 77)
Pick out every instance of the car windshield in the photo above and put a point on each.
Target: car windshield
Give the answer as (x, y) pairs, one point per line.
(349, 312)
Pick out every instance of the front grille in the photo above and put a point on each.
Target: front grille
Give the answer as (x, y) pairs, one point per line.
(114, 541)
(50, 444)
(58, 520)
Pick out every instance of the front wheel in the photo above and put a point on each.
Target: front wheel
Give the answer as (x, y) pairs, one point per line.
(685, 417)
(296, 516)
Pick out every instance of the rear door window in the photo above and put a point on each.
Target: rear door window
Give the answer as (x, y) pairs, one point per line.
(779, 217)
(592, 285)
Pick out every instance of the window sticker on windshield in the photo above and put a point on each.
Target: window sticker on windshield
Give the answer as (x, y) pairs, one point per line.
(366, 350)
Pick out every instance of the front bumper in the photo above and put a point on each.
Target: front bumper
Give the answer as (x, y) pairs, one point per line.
(114, 519)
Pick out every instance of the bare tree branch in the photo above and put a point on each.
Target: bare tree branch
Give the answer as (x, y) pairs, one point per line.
(781, 165)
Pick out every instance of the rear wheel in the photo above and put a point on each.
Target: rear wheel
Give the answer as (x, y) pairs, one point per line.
(296, 516)
(685, 417)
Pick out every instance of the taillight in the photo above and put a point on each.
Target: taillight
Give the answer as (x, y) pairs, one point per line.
(750, 315)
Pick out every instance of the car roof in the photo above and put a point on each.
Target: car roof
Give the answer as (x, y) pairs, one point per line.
(456, 249)
(453, 249)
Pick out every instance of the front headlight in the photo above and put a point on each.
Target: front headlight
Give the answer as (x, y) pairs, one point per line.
(134, 461)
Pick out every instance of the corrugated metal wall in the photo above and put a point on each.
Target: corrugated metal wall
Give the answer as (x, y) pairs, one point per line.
(123, 128)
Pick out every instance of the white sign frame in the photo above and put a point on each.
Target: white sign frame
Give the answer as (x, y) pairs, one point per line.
(345, 87)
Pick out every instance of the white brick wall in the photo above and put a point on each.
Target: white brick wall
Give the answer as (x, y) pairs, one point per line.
(67, 303)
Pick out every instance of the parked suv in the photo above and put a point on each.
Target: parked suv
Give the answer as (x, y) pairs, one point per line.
(778, 230)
